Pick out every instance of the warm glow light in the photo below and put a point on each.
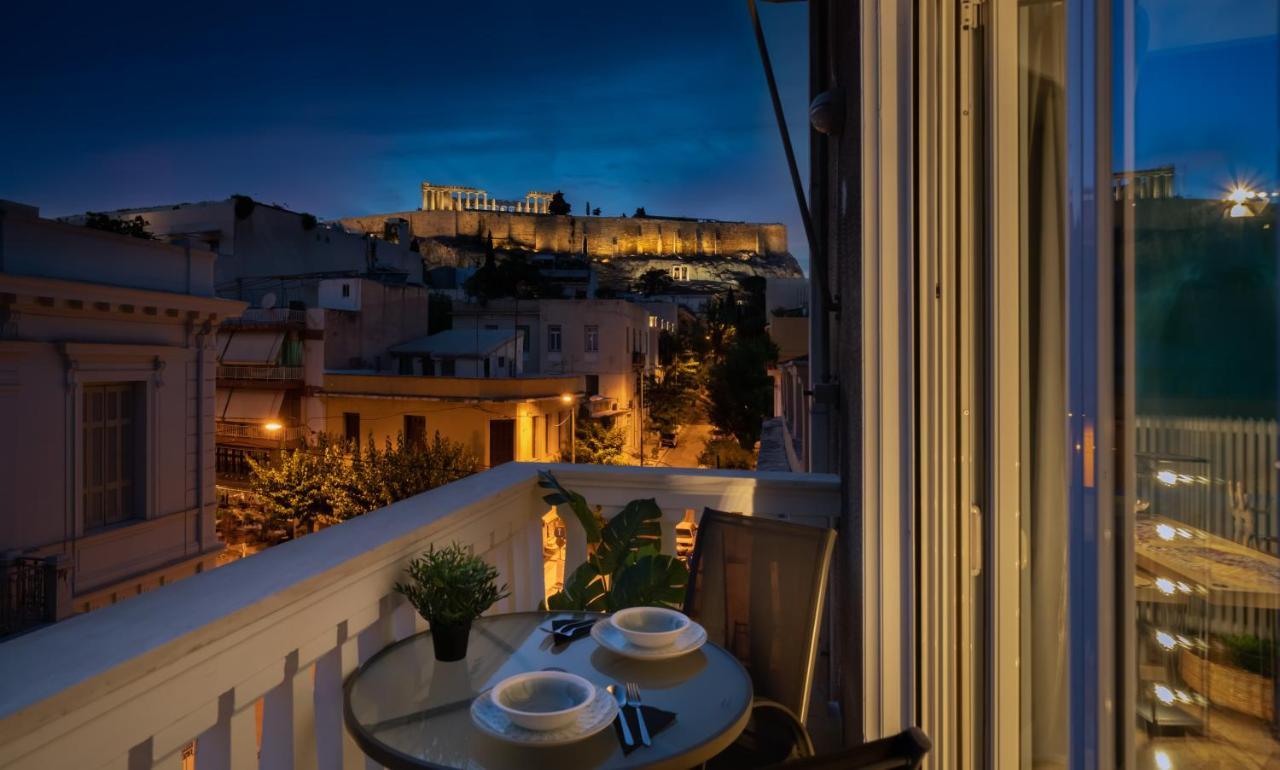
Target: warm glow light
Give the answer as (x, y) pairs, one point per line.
(1238, 194)
(567, 398)
(1165, 531)
(1184, 532)
(1162, 761)
(273, 426)
(1164, 694)
(1168, 478)
(1166, 586)
(1240, 211)
(1165, 640)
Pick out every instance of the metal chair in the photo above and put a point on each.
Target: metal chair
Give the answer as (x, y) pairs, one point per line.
(903, 751)
(758, 586)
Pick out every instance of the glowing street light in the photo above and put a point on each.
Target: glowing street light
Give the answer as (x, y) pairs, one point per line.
(569, 398)
(273, 427)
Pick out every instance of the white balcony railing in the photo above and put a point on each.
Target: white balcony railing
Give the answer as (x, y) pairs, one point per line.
(261, 373)
(274, 315)
(135, 684)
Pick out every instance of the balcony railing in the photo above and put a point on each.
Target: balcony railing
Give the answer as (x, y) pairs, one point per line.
(137, 683)
(28, 593)
(261, 373)
(276, 315)
(286, 433)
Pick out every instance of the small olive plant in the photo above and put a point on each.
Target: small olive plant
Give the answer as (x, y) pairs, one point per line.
(451, 587)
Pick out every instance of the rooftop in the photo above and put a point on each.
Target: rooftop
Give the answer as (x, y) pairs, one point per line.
(458, 342)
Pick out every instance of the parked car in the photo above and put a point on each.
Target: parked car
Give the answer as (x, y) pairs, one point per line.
(667, 439)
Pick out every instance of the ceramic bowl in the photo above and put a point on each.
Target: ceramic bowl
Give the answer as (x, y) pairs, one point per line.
(543, 700)
(650, 627)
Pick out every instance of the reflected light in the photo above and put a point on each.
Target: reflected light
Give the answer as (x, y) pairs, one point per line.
(1162, 760)
(1239, 211)
(1168, 478)
(1165, 640)
(1166, 586)
(1164, 694)
(1165, 531)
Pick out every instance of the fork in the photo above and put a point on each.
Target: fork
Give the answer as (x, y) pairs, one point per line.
(633, 700)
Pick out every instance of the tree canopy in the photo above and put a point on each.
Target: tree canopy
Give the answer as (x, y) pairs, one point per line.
(558, 204)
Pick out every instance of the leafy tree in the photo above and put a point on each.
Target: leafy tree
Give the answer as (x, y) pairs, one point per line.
(672, 398)
(740, 390)
(595, 212)
(655, 281)
(313, 487)
(640, 213)
(726, 453)
(558, 204)
(514, 276)
(136, 227)
(597, 443)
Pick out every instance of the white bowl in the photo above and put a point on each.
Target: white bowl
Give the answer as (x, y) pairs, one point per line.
(543, 700)
(650, 627)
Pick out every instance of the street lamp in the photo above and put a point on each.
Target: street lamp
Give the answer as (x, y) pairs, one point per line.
(276, 429)
(568, 398)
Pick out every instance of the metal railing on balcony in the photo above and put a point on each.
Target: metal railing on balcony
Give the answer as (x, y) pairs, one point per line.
(286, 433)
(275, 315)
(28, 593)
(267, 641)
(260, 373)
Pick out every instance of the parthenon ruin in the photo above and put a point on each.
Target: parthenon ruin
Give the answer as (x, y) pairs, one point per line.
(454, 198)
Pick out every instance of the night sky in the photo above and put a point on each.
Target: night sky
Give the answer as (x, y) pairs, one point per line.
(343, 109)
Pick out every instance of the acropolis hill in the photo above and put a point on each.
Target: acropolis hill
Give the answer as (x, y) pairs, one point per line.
(455, 224)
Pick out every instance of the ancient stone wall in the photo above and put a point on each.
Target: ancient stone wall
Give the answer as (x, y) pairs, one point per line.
(599, 237)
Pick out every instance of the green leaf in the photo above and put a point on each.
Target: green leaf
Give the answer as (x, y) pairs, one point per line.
(655, 580)
(583, 590)
(576, 502)
(634, 532)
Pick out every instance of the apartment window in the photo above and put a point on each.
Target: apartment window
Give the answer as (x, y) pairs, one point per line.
(415, 430)
(680, 272)
(346, 290)
(351, 427)
(553, 338)
(448, 367)
(591, 339)
(113, 453)
(502, 362)
(406, 365)
(592, 382)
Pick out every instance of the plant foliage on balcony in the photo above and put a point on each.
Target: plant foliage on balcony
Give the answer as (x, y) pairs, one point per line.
(451, 586)
(625, 566)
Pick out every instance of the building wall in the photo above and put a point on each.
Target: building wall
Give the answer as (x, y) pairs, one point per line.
(601, 237)
(384, 315)
(467, 423)
(59, 336)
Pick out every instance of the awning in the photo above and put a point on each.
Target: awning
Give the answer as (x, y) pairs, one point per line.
(253, 348)
(249, 405)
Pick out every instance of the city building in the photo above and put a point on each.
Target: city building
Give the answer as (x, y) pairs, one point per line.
(463, 353)
(498, 419)
(605, 340)
(108, 348)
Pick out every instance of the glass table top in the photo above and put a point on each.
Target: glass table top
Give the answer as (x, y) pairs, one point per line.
(408, 710)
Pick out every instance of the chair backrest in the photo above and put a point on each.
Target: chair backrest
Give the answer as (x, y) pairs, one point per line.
(758, 586)
(903, 751)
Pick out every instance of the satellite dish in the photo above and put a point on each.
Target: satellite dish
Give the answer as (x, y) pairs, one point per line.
(268, 300)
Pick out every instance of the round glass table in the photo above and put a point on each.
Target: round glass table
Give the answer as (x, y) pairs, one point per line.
(405, 709)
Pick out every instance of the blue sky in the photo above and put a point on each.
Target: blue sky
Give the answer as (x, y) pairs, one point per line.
(341, 109)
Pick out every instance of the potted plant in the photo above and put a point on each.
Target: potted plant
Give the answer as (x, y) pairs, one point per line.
(450, 588)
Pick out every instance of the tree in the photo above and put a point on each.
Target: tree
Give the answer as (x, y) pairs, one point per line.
(595, 212)
(306, 489)
(136, 227)
(672, 398)
(640, 213)
(558, 204)
(726, 453)
(513, 276)
(655, 281)
(597, 443)
(740, 390)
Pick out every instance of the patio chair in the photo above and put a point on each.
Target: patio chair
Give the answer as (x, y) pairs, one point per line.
(758, 586)
(903, 751)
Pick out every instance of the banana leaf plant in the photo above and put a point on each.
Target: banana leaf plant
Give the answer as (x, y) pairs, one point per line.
(625, 566)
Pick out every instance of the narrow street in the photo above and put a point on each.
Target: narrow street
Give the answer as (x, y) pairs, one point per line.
(689, 445)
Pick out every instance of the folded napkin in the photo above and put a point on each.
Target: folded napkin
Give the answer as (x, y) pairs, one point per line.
(655, 719)
(573, 632)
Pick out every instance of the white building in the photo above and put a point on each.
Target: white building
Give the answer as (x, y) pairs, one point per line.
(107, 366)
(462, 353)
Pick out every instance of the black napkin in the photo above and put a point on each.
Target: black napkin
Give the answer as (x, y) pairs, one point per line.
(584, 629)
(655, 719)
